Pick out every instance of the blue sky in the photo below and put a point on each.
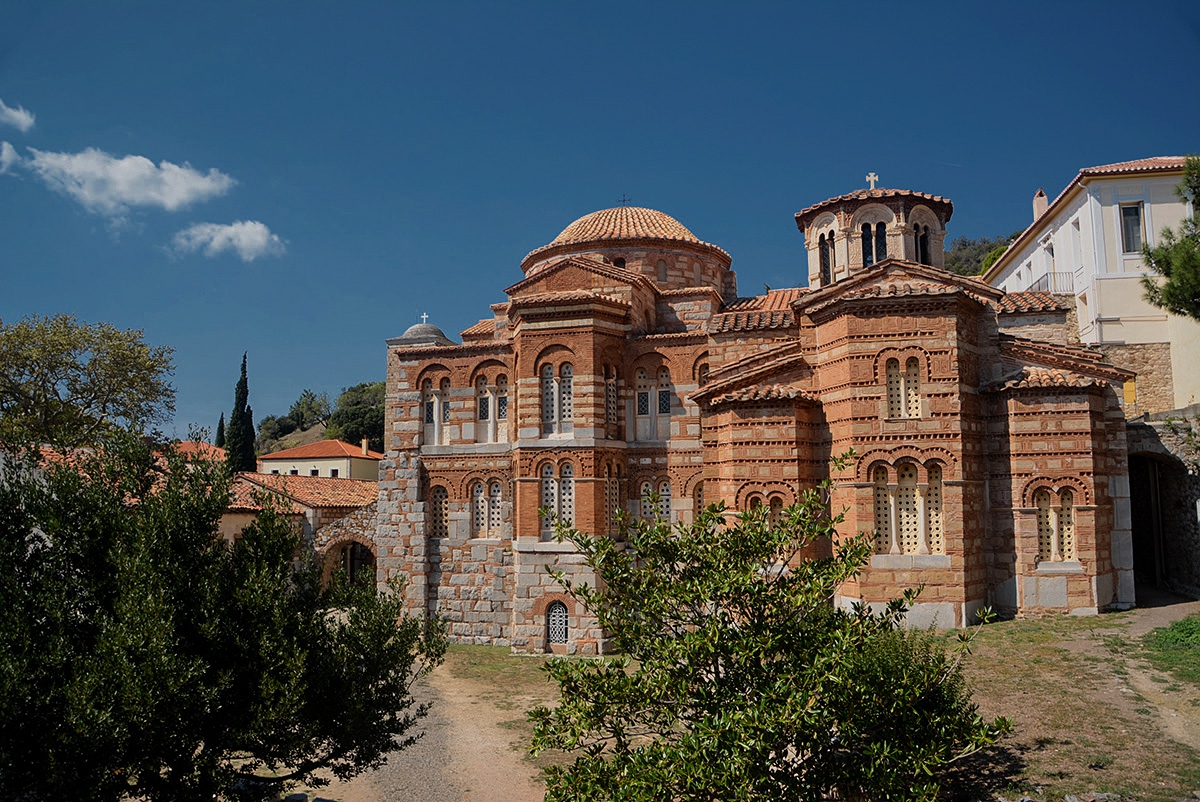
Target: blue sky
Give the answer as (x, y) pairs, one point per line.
(302, 180)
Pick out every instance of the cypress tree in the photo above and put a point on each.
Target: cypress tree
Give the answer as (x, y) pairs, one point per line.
(239, 447)
(219, 442)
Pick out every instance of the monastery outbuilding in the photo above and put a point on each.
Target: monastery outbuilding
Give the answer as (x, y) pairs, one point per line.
(624, 366)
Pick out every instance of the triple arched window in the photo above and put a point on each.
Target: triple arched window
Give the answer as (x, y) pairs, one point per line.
(485, 508)
(558, 496)
(1055, 524)
(908, 513)
(558, 399)
(903, 389)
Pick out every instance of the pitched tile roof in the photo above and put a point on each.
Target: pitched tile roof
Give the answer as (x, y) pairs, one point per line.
(317, 491)
(563, 296)
(1032, 376)
(1147, 165)
(245, 497)
(193, 449)
(322, 449)
(751, 321)
(484, 328)
(894, 289)
(768, 392)
(774, 299)
(1029, 301)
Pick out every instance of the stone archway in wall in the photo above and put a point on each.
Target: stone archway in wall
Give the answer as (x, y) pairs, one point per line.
(353, 558)
(1165, 518)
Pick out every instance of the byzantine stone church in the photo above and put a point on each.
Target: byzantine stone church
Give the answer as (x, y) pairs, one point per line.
(624, 372)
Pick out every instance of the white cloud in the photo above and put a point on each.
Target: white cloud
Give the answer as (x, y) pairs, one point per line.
(8, 157)
(19, 118)
(250, 238)
(107, 185)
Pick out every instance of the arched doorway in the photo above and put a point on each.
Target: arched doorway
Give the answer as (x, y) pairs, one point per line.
(355, 560)
(1145, 498)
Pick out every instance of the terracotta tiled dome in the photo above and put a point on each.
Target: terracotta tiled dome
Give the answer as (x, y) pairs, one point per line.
(624, 222)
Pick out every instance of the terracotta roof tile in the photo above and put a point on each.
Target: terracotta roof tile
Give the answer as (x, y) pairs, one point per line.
(323, 449)
(751, 321)
(774, 299)
(768, 392)
(1150, 164)
(317, 491)
(245, 497)
(550, 298)
(624, 222)
(1023, 302)
(893, 289)
(869, 194)
(192, 449)
(484, 328)
(1049, 377)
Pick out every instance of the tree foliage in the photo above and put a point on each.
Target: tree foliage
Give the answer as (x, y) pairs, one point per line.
(1177, 256)
(359, 414)
(970, 257)
(239, 446)
(66, 383)
(141, 657)
(219, 440)
(742, 680)
(309, 409)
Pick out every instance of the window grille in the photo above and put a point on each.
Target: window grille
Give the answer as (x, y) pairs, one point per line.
(612, 503)
(933, 506)
(1041, 500)
(647, 506)
(502, 398)
(883, 513)
(566, 394)
(429, 412)
(775, 515)
(566, 494)
(549, 496)
(479, 505)
(868, 246)
(439, 523)
(906, 504)
(549, 403)
(912, 388)
(494, 508)
(1066, 525)
(825, 247)
(698, 498)
(880, 242)
(893, 389)
(556, 622)
(664, 501)
(610, 401)
(664, 401)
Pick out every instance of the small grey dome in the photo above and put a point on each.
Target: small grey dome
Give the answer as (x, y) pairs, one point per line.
(422, 334)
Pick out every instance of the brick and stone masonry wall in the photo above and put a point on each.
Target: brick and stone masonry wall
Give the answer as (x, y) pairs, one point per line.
(1152, 363)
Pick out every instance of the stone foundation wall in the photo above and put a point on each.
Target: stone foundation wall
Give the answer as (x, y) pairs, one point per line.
(1152, 363)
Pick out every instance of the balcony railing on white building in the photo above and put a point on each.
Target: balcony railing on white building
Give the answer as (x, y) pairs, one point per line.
(1054, 282)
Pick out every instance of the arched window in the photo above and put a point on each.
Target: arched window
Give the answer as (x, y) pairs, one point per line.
(662, 271)
(775, 514)
(894, 406)
(702, 374)
(933, 507)
(663, 408)
(664, 501)
(880, 242)
(444, 397)
(494, 498)
(566, 494)
(868, 246)
(549, 400)
(642, 419)
(825, 248)
(909, 524)
(647, 509)
(612, 500)
(921, 243)
(611, 415)
(912, 388)
(429, 411)
(698, 499)
(483, 403)
(883, 512)
(556, 622)
(566, 397)
(1045, 526)
(619, 263)
(502, 397)
(1066, 524)
(439, 512)
(479, 510)
(549, 499)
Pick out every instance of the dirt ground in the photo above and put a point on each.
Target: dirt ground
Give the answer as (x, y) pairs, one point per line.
(1090, 716)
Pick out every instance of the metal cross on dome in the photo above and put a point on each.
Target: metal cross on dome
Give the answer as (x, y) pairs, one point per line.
(872, 178)
(424, 317)
(625, 199)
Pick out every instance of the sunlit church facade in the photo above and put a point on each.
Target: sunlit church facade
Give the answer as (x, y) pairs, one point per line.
(623, 372)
